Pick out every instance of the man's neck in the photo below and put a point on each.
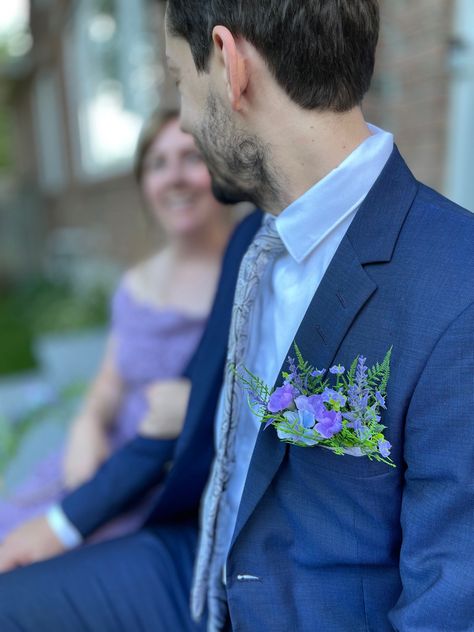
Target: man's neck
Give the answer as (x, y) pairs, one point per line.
(306, 146)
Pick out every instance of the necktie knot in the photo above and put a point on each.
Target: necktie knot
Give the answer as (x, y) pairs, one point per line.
(268, 237)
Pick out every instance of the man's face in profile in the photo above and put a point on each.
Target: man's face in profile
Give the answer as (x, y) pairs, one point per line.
(234, 157)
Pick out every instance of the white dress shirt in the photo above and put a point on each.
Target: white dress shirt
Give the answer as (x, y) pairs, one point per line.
(311, 229)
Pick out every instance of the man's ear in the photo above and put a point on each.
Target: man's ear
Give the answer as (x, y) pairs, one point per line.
(236, 74)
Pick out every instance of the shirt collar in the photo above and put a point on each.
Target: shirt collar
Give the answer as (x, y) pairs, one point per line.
(304, 224)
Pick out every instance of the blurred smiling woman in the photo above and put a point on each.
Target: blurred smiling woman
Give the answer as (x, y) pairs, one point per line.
(158, 314)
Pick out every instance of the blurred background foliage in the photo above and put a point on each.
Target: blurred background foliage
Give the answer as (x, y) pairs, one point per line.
(38, 306)
(5, 140)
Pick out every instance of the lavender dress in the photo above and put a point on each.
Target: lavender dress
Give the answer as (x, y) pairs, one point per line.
(151, 344)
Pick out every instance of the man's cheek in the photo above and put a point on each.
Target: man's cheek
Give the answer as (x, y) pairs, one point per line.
(187, 116)
(184, 122)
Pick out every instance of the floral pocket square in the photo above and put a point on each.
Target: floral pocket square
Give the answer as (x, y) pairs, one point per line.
(337, 409)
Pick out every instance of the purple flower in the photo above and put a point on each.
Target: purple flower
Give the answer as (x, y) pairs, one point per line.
(307, 418)
(303, 418)
(318, 373)
(380, 399)
(330, 395)
(329, 423)
(312, 404)
(302, 421)
(282, 398)
(384, 448)
(337, 370)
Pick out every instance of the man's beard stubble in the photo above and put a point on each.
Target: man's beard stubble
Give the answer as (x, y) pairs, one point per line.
(238, 162)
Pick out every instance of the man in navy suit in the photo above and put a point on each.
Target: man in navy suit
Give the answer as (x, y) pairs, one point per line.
(305, 539)
(299, 538)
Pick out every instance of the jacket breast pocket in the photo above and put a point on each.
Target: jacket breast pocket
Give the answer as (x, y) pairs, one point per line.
(358, 467)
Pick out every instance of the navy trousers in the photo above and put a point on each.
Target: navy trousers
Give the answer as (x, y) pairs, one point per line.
(139, 583)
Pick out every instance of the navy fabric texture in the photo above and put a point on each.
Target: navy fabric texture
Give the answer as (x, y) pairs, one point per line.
(139, 582)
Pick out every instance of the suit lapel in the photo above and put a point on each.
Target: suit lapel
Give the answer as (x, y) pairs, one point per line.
(344, 290)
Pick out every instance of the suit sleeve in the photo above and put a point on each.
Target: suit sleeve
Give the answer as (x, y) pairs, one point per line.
(125, 477)
(437, 553)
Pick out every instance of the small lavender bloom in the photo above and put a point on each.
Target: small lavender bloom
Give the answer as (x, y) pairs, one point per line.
(354, 420)
(281, 398)
(384, 448)
(329, 395)
(380, 399)
(353, 393)
(295, 374)
(361, 373)
(364, 401)
(372, 415)
(337, 370)
(329, 423)
(269, 423)
(351, 417)
(318, 373)
(363, 433)
(255, 399)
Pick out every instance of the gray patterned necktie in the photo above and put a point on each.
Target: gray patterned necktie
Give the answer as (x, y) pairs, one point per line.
(265, 247)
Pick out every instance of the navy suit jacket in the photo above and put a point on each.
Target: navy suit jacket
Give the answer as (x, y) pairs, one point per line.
(343, 544)
(143, 463)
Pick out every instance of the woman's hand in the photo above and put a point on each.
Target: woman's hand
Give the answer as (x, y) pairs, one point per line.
(87, 446)
(168, 401)
(32, 541)
(86, 449)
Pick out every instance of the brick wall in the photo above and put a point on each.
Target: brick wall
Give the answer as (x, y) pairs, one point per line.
(409, 95)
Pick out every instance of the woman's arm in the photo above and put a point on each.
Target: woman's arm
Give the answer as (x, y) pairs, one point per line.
(87, 445)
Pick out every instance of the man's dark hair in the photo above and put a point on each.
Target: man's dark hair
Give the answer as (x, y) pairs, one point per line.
(321, 52)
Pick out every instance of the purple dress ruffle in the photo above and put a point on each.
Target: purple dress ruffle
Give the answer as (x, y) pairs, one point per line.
(152, 344)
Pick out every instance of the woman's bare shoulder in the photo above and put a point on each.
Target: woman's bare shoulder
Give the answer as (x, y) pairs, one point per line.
(144, 279)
